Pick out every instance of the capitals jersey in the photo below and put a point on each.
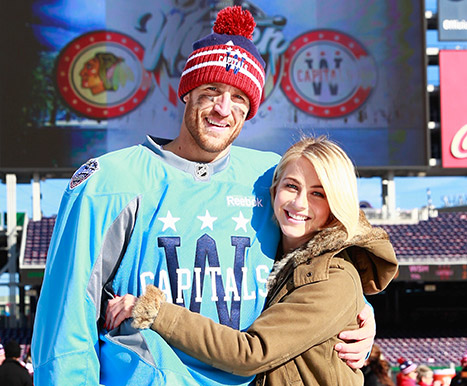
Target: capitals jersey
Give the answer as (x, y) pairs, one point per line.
(203, 233)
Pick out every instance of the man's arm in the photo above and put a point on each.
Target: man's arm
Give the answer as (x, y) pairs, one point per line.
(65, 341)
(65, 327)
(358, 342)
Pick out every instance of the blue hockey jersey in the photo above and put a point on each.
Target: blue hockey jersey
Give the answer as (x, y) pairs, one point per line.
(203, 233)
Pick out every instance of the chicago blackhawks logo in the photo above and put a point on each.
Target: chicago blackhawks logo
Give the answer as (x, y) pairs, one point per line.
(100, 74)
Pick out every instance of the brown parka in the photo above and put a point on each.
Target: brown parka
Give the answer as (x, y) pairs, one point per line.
(314, 293)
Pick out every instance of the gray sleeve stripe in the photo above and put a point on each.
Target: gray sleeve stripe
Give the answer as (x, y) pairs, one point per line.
(113, 248)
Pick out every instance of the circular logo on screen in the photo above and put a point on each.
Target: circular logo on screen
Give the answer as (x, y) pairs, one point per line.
(100, 74)
(327, 73)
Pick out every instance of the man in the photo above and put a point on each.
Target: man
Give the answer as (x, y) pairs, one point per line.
(192, 216)
(12, 372)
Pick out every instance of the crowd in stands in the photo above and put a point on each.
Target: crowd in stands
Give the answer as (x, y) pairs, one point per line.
(378, 372)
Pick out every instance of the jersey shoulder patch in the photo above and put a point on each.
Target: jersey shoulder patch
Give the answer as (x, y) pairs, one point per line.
(84, 172)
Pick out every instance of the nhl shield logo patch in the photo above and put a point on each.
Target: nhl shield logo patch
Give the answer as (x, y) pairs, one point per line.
(84, 172)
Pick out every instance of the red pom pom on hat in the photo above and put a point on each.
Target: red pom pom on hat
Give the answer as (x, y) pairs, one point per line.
(229, 56)
(235, 21)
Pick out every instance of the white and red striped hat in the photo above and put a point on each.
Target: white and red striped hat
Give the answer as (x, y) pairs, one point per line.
(228, 56)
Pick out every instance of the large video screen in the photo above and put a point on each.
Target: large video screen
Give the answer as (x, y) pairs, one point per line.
(85, 77)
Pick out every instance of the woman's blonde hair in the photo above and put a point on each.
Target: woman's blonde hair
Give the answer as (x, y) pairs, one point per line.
(336, 173)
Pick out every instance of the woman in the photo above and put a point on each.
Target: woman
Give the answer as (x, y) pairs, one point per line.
(424, 375)
(329, 251)
(377, 370)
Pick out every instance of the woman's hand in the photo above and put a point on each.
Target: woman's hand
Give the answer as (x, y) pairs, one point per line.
(358, 342)
(119, 309)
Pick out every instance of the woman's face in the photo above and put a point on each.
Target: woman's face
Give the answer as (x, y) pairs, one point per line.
(300, 204)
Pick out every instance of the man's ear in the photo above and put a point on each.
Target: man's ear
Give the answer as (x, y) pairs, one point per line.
(185, 97)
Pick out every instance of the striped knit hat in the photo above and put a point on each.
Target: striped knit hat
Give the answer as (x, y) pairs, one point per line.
(228, 56)
(406, 365)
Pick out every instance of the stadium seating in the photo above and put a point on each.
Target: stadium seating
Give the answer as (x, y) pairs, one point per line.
(440, 239)
(430, 349)
(37, 241)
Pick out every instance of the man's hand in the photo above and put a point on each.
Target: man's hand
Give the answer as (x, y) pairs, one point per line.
(358, 343)
(118, 309)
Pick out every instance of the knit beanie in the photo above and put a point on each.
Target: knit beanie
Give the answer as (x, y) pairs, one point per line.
(406, 366)
(464, 360)
(228, 56)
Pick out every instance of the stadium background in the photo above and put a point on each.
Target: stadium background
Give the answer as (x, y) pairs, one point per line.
(422, 315)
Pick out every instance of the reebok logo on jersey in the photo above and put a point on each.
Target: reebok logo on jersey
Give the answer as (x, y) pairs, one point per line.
(244, 201)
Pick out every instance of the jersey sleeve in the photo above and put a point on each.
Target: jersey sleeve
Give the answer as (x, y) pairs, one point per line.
(65, 344)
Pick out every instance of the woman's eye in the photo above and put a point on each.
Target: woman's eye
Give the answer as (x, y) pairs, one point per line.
(291, 186)
(318, 194)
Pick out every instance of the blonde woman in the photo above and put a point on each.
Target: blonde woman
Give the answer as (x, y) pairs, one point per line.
(330, 255)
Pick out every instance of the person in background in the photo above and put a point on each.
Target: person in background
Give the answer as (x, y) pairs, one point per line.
(424, 375)
(461, 377)
(407, 375)
(12, 371)
(2, 354)
(328, 252)
(377, 369)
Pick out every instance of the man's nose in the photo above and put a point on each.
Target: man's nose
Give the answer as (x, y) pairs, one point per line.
(223, 104)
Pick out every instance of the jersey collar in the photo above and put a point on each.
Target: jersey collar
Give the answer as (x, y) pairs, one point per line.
(199, 170)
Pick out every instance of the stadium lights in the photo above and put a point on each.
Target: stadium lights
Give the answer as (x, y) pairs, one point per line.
(433, 125)
(432, 51)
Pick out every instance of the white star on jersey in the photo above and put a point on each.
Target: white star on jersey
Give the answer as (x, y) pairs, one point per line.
(207, 220)
(241, 221)
(169, 221)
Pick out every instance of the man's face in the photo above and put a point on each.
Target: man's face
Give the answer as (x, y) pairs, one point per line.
(214, 116)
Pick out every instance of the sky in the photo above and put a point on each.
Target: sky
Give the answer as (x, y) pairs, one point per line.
(411, 193)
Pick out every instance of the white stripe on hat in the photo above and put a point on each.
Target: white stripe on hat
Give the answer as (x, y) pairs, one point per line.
(225, 51)
(222, 64)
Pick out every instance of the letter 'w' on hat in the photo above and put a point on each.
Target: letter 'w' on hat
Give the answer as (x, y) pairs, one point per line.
(228, 56)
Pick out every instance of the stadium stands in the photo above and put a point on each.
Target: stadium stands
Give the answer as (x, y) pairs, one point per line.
(440, 239)
(37, 241)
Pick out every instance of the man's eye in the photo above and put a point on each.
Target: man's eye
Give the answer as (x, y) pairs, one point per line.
(291, 186)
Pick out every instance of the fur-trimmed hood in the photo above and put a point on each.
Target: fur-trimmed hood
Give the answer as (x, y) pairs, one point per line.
(369, 250)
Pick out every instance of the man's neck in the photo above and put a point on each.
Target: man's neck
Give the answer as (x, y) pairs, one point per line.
(192, 153)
